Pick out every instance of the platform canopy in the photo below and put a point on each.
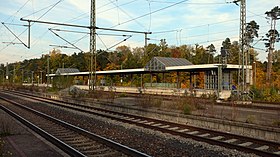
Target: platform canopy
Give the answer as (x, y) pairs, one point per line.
(162, 63)
(66, 71)
(155, 65)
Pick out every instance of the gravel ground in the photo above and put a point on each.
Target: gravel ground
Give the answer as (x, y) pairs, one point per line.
(22, 142)
(151, 142)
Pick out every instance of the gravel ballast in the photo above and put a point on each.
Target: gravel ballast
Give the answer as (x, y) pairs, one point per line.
(148, 141)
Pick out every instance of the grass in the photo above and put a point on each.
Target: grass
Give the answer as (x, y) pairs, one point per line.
(276, 123)
(251, 119)
(5, 130)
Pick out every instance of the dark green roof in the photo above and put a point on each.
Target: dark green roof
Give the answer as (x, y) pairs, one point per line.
(161, 63)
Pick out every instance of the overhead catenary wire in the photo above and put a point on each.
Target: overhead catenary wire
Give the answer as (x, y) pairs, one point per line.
(150, 10)
(118, 8)
(14, 14)
(203, 25)
(115, 6)
(177, 30)
(209, 3)
(66, 41)
(33, 23)
(155, 11)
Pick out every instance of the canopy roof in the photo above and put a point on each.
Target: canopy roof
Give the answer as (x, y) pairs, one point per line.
(156, 65)
(162, 63)
(66, 70)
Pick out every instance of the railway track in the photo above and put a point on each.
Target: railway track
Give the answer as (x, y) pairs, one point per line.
(254, 105)
(73, 140)
(246, 144)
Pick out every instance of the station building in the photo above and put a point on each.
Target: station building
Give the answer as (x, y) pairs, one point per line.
(218, 78)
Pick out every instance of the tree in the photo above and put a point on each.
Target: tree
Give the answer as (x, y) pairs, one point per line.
(251, 31)
(232, 51)
(226, 44)
(272, 37)
(211, 50)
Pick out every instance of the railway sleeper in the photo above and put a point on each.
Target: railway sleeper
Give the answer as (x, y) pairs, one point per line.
(278, 152)
(95, 151)
(76, 140)
(245, 144)
(264, 147)
(174, 128)
(204, 135)
(193, 132)
(217, 137)
(231, 140)
(67, 136)
(164, 126)
(103, 154)
(87, 147)
(60, 131)
(183, 130)
(157, 124)
(150, 123)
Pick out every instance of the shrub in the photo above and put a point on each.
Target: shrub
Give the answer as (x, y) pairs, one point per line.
(187, 109)
(276, 123)
(250, 119)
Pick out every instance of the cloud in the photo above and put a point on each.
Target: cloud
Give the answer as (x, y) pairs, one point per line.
(197, 21)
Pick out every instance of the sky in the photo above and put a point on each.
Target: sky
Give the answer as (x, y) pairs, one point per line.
(179, 22)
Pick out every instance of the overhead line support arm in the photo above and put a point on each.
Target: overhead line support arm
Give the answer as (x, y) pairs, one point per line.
(55, 23)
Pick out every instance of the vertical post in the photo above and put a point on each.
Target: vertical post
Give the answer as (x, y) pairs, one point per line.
(242, 56)
(41, 77)
(163, 75)
(178, 79)
(48, 70)
(191, 84)
(28, 44)
(131, 79)
(14, 75)
(92, 45)
(146, 39)
(220, 79)
(141, 81)
(7, 72)
(151, 79)
(32, 78)
(254, 73)
(22, 76)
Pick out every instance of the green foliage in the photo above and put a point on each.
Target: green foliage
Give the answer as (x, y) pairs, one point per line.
(122, 95)
(276, 123)
(266, 94)
(187, 109)
(250, 119)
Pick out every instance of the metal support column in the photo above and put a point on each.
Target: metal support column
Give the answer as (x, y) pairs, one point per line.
(178, 80)
(141, 80)
(191, 84)
(48, 70)
(220, 79)
(242, 55)
(92, 45)
(151, 79)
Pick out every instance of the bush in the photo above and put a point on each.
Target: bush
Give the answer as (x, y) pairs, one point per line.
(266, 94)
(276, 123)
(187, 109)
(250, 119)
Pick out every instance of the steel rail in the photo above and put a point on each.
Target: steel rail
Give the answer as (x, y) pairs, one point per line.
(110, 143)
(195, 137)
(60, 144)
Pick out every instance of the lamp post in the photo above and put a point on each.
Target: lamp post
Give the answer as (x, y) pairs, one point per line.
(32, 78)
(3, 73)
(41, 76)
